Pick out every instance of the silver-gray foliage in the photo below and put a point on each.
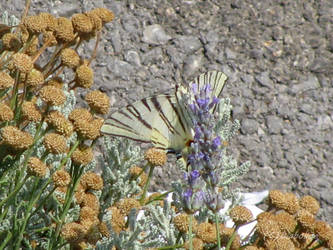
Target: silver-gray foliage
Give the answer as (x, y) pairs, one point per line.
(119, 156)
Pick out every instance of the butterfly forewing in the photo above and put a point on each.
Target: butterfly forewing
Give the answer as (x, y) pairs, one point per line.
(154, 119)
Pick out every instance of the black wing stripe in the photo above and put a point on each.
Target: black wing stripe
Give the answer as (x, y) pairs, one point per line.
(136, 114)
(182, 115)
(131, 138)
(145, 103)
(165, 119)
(177, 113)
(118, 124)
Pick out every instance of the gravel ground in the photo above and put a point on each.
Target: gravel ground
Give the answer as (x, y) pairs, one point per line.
(279, 59)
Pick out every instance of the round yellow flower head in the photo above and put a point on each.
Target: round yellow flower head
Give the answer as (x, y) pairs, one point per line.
(64, 30)
(73, 232)
(30, 112)
(6, 81)
(156, 157)
(104, 14)
(70, 58)
(125, 205)
(34, 24)
(55, 143)
(91, 180)
(80, 114)
(61, 178)
(15, 138)
(82, 155)
(35, 78)
(206, 232)
(6, 114)
(310, 204)
(50, 20)
(52, 95)
(91, 201)
(240, 215)
(181, 221)
(22, 62)
(84, 76)
(11, 42)
(98, 101)
(59, 122)
(36, 167)
(82, 23)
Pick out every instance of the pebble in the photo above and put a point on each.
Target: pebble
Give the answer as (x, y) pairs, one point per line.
(155, 34)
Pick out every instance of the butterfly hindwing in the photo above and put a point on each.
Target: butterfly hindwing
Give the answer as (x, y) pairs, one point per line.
(215, 79)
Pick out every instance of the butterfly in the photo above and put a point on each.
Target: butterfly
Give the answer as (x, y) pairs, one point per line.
(162, 120)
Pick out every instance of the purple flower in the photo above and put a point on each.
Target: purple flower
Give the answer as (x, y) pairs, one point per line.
(214, 201)
(198, 200)
(187, 195)
(202, 103)
(201, 155)
(193, 178)
(214, 102)
(197, 133)
(216, 142)
(193, 107)
(207, 89)
(194, 174)
(194, 88)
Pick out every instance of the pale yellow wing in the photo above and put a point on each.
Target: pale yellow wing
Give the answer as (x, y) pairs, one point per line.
(154, 119)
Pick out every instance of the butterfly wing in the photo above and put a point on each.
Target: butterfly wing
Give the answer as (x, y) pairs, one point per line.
(154, 119)
(163, 119)
(215, 79)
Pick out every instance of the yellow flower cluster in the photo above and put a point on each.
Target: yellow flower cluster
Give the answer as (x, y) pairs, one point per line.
(35, 98)
(291, 224)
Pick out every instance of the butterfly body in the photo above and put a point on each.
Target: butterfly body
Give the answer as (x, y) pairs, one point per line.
(164, 119)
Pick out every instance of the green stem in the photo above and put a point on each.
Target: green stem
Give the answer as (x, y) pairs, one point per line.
(145, 189)
(27, 214)
(217, 231)
(15, 191)
(190, 231)
(5, 241)
(159, 197)
(42, 202)
(171, 247)
(69, 195)
(231, 239)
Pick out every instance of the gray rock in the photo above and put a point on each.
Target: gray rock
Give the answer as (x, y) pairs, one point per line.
(133, 57)
(116, 41)
(274, 124)
(321, 65)
(121, 69)
(230, 54)
(155, 34)
(324, 122)
(188, 44)
(153, 56)
(309, 84)
(192, 64)
(264, 80)
(130, 24)
(66, 10)
(249, 126)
